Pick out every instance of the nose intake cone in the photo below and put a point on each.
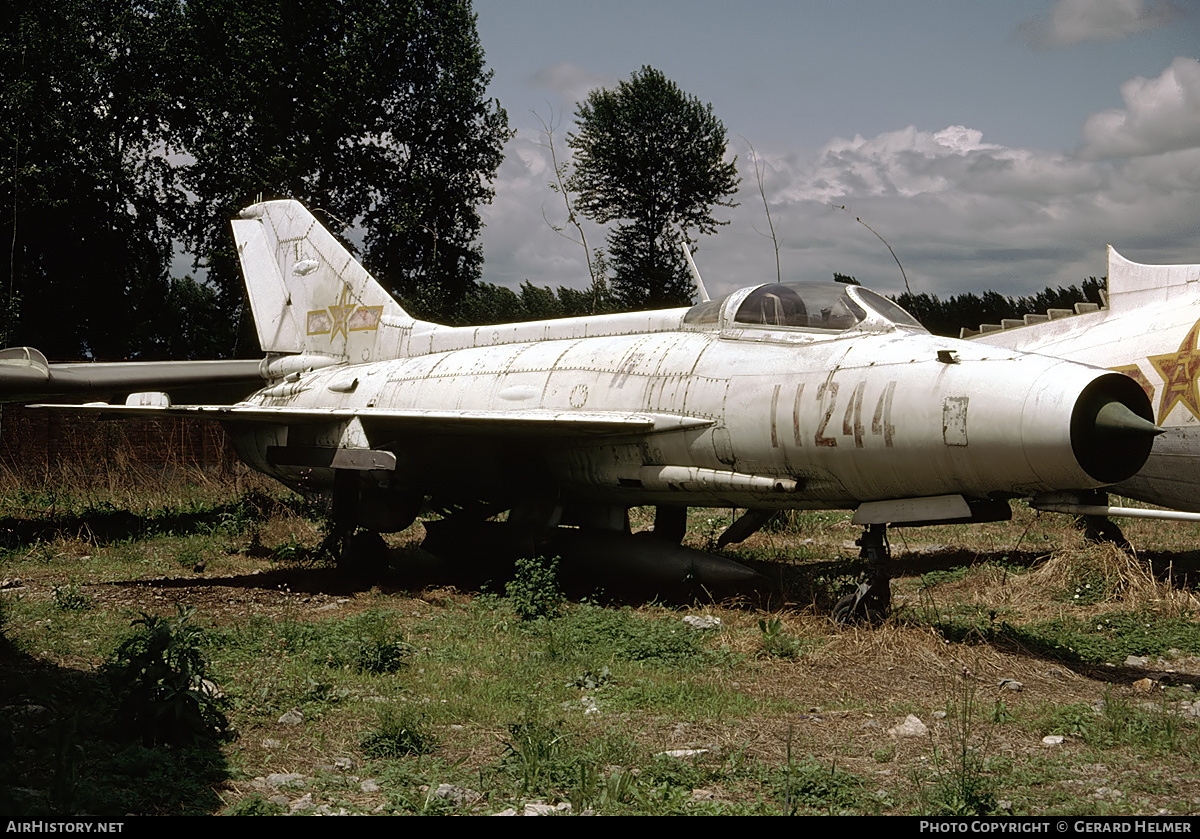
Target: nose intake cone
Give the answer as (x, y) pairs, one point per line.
(1112, 428)
(1117, 418)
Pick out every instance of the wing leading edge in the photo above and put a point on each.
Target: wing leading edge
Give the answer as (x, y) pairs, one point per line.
(26, 374)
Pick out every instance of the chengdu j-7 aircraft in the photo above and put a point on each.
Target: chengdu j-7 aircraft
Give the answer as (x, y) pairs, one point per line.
(1148, 331)
(774, 397)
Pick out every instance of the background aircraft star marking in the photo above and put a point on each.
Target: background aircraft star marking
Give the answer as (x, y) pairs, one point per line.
(1134, 372)
(1179, 370)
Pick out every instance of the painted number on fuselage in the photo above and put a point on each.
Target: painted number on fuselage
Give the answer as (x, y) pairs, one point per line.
(852, 421)
(852, 417)
(832, 389)
(881, 423)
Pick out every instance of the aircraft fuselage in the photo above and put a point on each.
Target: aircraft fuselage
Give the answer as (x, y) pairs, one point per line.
(775, 418)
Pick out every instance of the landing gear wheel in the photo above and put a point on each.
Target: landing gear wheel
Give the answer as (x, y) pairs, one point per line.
(359, 552)
(858, 608)
(1100, 529)
(364, 554)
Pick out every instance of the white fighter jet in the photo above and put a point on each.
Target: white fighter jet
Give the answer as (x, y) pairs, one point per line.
(774, 397)
(1148, 331)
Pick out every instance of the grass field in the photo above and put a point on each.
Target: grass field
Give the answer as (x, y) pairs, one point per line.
(172, 648)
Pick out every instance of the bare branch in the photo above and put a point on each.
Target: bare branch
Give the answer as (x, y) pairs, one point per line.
(762, 190)
(889, 247)
(560, 187)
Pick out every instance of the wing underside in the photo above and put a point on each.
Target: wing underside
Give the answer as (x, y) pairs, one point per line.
(436, 422)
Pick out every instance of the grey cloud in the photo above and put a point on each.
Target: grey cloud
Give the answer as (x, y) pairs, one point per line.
(569, 80)
(961, 214)
(1160, 115)
(1096, 21)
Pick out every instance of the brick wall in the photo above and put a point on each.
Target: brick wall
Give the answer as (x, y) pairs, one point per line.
(38, 442)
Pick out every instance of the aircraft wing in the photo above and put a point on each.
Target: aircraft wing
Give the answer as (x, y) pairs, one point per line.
(26, 375)
(560, 424)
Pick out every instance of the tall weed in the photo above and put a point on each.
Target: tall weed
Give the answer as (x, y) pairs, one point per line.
(159, 678)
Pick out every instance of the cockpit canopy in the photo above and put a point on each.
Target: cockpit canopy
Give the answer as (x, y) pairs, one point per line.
(829, 307)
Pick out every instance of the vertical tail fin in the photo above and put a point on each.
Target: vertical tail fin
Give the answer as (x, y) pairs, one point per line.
(1131, 284)
(308, 294)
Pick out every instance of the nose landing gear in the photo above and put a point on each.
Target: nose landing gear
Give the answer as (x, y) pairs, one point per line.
(871, 600)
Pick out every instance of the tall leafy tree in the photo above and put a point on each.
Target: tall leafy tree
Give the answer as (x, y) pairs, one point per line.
(132, 129)
(86, 251)
(445, 142)
(653, 157)
(371, 111)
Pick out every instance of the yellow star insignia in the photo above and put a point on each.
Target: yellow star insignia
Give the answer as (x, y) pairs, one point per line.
(341, 313)
(1178, 370)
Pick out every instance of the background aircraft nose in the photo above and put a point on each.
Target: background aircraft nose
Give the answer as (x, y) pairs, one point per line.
(1112, 428)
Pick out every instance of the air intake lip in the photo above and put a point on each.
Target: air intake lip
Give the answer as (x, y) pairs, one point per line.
(1112, 428)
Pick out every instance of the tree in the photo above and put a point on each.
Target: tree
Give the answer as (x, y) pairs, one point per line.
(596, 261)
(83, 178)
(947, 317)
(130, 129)
(370, 111)
(653, 156)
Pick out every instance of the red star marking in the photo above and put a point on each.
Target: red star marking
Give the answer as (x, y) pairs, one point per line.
(1134, 372)
(1178, 370)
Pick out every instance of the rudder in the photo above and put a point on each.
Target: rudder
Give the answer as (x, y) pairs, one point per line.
(308, 293)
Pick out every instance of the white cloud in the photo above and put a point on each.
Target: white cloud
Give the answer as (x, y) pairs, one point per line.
(1097, 21)
(962, 213)
(1160, 115)
(569, 80)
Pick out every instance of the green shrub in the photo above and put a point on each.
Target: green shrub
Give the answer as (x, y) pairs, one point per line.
(776, 642)
(810, 785)
(369, 644)
(535, 752)
(399, 732)
(159, 678)
(71, 598)
(533, 591)
(589, 633)
(255, 805)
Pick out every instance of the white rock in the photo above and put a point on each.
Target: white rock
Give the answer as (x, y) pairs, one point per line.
(292, 717)
(456, 794)
(911, 727)
(304, 802)
(682, 753)
(279, 779)
(547, 809)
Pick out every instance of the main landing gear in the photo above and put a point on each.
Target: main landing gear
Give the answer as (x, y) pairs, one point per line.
(359, 512)
(1100, 529)
(871, 600)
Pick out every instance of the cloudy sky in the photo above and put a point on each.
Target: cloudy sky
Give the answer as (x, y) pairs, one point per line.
(993, 145)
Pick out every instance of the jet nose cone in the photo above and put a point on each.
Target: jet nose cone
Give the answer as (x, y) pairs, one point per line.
(1112, 428)
(1117, 418)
